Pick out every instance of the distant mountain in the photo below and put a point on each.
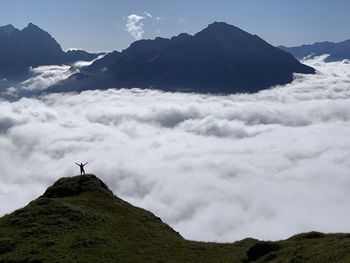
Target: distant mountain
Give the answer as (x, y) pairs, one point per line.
(336, 51)
(79, 55)
(219, 59)
(32, 47)
(82, 221)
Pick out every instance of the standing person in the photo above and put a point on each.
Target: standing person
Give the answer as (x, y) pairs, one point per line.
(81, 165)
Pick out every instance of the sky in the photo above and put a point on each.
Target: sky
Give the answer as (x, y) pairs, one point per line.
(215, 168)
(107, 25)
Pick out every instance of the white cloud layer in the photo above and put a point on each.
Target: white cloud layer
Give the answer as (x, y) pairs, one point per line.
(134, 26)
(41, 78)
(216, 168)
(80, 64)
(44, 77)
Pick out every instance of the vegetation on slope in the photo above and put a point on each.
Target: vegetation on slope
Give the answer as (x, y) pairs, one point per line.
(76, 221)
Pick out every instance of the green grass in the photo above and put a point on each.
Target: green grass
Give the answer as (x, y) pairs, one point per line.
(87, 223)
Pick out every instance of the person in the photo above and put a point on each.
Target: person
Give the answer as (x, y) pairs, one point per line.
(81, 165)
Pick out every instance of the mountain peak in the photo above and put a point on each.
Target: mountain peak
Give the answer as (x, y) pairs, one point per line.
(219, 24)
(32, 27)
(30, 24)
(219, 59)
(71, 186)
(226, 34)
(7, 28)
(181, 36)
(222, 26)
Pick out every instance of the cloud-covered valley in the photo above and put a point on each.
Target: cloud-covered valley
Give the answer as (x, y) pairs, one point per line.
(215, 168)
(41, 78)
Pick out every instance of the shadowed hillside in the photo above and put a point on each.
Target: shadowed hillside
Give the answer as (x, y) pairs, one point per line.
(219, 59)
(335, 51)
(85, 222)
(32, 47)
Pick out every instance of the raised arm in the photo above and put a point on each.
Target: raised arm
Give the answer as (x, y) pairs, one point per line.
(85, 163)
(77, 164)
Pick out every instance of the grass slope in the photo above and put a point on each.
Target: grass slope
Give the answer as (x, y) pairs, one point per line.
(85, 222)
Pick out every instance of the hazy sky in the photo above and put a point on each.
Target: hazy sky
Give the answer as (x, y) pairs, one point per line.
(101, 25)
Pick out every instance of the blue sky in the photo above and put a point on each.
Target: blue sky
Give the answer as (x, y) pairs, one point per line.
(101, 25)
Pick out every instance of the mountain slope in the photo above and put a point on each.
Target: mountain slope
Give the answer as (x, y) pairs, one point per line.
(73, 222)
(32, 47)
(336, 51)
(92, 225)
(220, 58)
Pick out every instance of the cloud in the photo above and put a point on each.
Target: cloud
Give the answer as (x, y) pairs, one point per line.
(148, 14)
(211, 126)
(43, 77)
(80, 64)
(216, 168)
(74, 49)
(134, 26)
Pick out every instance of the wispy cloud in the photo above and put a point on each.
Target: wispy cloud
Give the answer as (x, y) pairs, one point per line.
(43, 77)
(148, 14)
(80, 64)
(74, 49)
(134, 26)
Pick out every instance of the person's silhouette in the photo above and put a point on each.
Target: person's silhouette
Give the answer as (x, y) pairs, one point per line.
(81, 165)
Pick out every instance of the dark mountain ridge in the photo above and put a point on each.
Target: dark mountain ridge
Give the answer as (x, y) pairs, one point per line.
(219, 59)
(7, 28)
(82, 221)
(32, 47)
(336, 51)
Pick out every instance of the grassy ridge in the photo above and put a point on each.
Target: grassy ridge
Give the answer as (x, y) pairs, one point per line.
(85, 222)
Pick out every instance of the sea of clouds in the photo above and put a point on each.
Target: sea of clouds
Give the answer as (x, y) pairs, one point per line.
(215, 168)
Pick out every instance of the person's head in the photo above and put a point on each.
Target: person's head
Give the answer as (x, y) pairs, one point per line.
(81, 163)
